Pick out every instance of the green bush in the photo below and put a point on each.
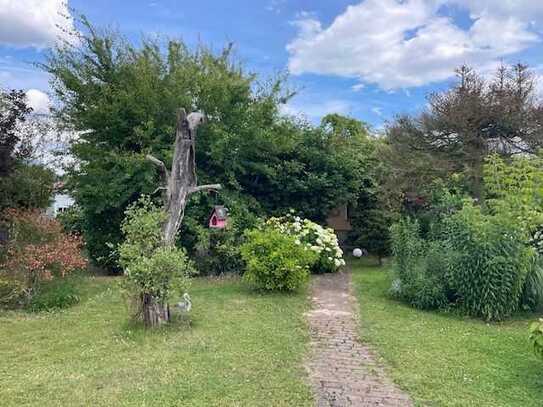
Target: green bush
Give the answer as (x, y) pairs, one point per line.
(536, 337)
(28, 186)
(532, 292)
(430, 289)
(151, 268)
(407, 246)
(371, 230)
(481, 262)
(420, 267)
(55, 294)
(515, 187)
(12, 292)
(218, 252)
(489, 262)
(275, 261)
(71, 220)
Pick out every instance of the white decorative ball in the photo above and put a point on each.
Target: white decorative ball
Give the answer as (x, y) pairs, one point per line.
(357, 252)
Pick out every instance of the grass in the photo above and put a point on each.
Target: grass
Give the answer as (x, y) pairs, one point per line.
(241, 349)
(447, 360)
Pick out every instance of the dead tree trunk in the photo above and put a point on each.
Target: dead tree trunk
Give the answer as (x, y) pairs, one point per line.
(177, 185)
(154, 312)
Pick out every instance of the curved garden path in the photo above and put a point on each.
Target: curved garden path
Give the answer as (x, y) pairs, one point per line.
(342, 370)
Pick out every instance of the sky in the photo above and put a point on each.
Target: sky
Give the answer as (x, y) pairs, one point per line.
(370, 59)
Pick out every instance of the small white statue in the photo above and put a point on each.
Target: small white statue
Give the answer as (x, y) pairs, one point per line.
(185, 305)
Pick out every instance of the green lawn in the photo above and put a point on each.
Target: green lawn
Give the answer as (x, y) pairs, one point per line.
(242, 349)
(447, 360)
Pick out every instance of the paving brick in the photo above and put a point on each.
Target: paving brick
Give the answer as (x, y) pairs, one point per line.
(343, 371)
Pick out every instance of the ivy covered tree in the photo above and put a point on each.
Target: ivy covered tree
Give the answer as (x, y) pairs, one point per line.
(122, 99)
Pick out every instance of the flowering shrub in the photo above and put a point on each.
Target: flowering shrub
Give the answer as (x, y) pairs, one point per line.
(39, 250)
(323, 241)
(274, 260)
(42, 262)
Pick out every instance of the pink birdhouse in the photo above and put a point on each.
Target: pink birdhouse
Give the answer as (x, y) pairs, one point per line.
(219, 217)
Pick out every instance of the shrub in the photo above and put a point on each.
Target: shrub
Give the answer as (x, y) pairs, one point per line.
(536, 240)
(420, 267)
(12, 292)
(430, 289)
(150, 268)
(516, 188)
(478, 261)
(371, 230)
(407, 246)
(489, 263)
(323, 241)
(28, 186)
(39, 251)
(71, 220)
(532, 292)
(55, 294)
(275, 261)
(536, 337)
(218, 251)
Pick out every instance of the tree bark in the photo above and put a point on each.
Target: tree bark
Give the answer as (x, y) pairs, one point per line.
(155, 313)
(181, 181)
(177, 185)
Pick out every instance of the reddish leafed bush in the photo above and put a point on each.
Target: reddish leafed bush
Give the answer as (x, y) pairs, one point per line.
(38, 249)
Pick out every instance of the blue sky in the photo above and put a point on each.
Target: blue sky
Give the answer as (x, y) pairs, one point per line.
(370, 59)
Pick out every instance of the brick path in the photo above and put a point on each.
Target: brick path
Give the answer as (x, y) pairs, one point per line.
(343, 371)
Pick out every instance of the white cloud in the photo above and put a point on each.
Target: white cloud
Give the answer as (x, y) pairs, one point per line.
(38, 101)
(357, 87)
(315, 111)
(378, 111)
(33, 23)
(275, 6)
(399, 44)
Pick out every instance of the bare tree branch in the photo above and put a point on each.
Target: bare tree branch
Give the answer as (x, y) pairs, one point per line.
(159, 189)
(205, 188)
(159, 164)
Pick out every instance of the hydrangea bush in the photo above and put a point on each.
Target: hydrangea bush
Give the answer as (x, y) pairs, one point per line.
(321, 240)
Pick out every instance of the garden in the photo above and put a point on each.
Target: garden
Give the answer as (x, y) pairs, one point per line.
(192, 259)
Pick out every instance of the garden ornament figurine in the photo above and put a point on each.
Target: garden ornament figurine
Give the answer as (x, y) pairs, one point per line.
(186, 304)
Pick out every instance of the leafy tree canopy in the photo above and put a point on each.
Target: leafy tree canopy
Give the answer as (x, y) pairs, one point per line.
(13, 111)
(123, 98)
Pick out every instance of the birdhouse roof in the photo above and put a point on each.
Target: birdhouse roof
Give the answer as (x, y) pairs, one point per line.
(220, 212)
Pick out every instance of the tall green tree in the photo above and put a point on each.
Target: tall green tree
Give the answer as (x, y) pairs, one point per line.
(13, 111)
(122, 99)
(23, 183)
